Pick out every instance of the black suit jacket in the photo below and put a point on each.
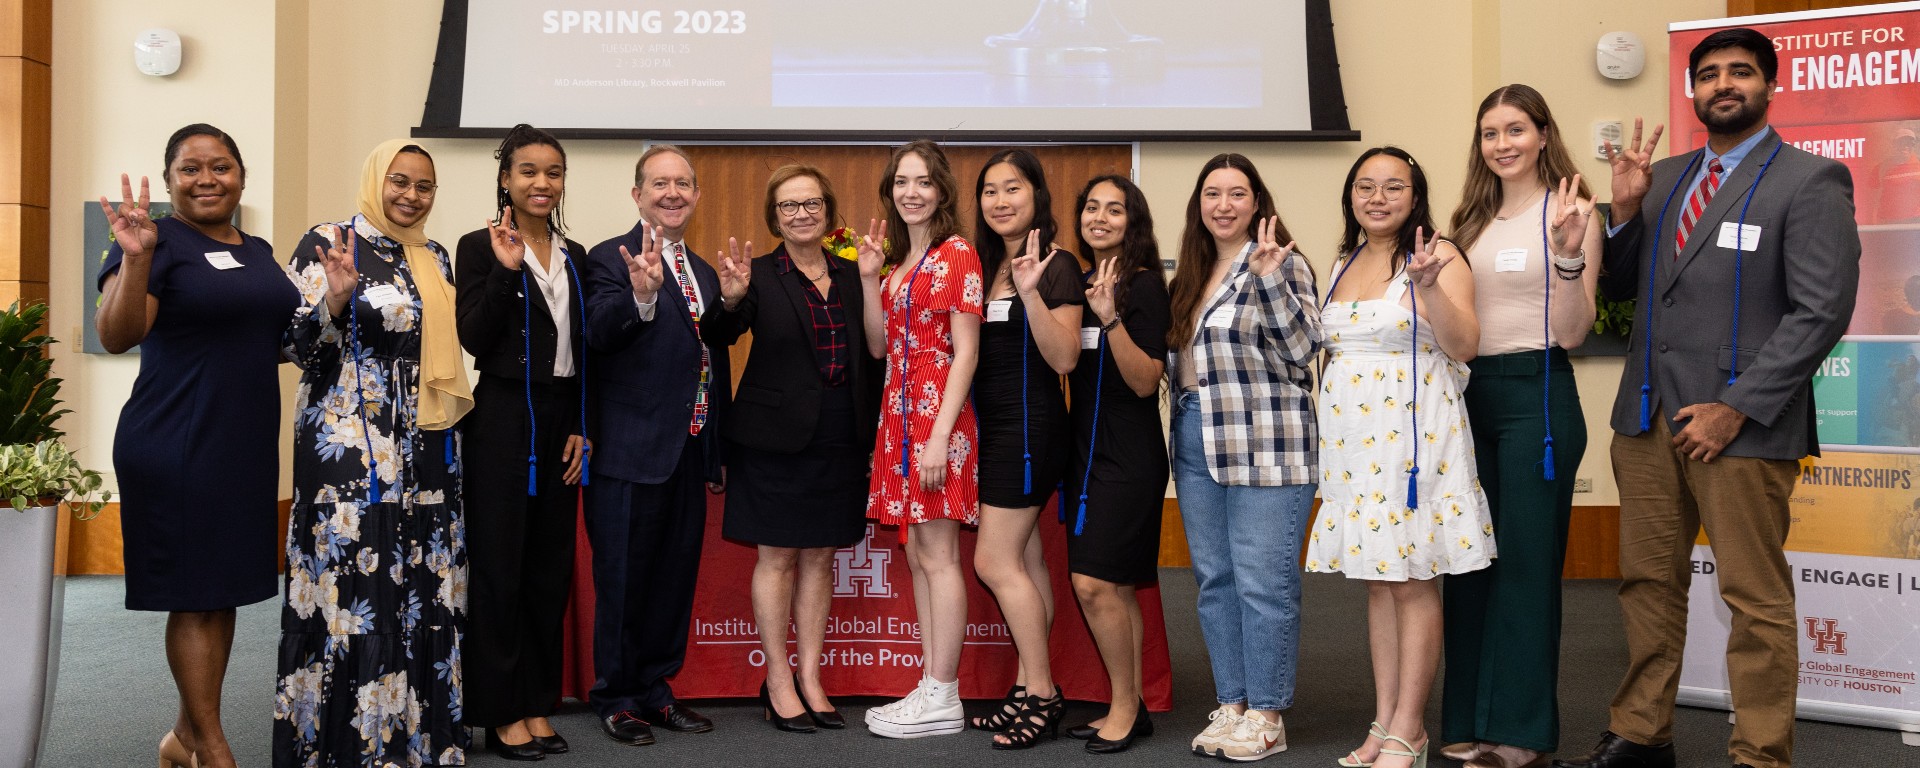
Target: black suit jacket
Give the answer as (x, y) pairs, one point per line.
(777, 406)
(641, 385)
(1798, 277)
(494, 308)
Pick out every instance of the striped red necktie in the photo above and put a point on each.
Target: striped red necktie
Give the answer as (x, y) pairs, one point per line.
(1696, 205)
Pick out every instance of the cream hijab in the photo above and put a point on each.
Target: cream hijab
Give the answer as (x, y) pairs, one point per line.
(445, 395)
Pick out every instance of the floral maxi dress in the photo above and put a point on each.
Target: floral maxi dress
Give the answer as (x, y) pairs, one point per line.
(369, 661)
(1365, 528)
(919, 355)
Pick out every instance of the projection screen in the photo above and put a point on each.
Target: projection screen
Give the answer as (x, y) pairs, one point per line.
(884, 70)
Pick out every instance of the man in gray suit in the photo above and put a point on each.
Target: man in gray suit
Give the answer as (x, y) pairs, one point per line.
(1744, 259)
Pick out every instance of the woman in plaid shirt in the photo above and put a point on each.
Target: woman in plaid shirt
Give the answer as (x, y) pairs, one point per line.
(1246, 324)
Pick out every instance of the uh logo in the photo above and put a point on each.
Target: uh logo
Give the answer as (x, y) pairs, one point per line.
(861, 570)
(1826, 636)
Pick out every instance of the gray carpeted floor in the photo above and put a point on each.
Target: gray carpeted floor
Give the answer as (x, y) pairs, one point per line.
(115, 699)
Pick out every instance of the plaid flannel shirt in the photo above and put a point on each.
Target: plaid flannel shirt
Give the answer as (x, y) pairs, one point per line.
(1252, 355)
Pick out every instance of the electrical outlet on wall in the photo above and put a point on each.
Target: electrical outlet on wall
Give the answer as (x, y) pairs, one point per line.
(1583, 485)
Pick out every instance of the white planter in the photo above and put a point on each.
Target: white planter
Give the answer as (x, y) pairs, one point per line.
(32, 587)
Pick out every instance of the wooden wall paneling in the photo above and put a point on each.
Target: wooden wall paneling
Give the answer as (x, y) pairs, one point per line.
(23, 230)
(733, 185)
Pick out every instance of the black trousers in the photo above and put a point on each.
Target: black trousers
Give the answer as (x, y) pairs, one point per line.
(519, 549)
(646, 555)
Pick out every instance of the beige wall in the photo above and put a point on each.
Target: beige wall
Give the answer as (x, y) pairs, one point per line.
(308, 95)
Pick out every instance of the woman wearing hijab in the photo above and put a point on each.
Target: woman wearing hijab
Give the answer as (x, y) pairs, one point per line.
(369, 669)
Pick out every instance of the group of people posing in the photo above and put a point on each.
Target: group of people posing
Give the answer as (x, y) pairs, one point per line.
(934, 381)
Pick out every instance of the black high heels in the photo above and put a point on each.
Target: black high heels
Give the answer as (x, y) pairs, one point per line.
(1142, 728)
(799, 723)
(1037, 716)
(829, 719)
(1002, 717)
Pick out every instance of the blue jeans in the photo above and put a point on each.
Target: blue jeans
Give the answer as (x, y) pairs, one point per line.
(1245, 543)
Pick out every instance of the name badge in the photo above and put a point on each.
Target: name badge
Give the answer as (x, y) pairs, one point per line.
(1221, 317)
(1748, 236)
(223, 260)
(1510, 260)
(383, 296)
(997, 310)
(1089, 337)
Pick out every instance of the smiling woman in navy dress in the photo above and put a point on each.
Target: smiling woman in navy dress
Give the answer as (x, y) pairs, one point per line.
(207, 303)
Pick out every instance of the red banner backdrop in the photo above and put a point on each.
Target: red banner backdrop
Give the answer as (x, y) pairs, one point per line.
(872, 645)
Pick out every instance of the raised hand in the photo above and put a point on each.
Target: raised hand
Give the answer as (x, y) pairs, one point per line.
(1426, 262)
(507, 246)
(1570, 218)
(645, 271)
(870, 252)
(1269, 254)
(1632, 171)
(736, 271)
(342, 276)
(132, 227)
(1100, 291)
(1028, 267)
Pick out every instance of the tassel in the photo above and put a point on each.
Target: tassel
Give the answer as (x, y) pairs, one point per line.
(533, 483)
(586, 466)
(1413, 488)
(1080, 520)
(1646, 407)
(1026, 482)
(1549, 460)
(905, 448)
(373, 489)
(449, 447)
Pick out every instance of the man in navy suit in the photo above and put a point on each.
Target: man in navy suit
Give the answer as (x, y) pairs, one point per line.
(658, 390)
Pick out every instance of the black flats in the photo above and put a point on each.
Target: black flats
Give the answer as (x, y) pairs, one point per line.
(526, 751)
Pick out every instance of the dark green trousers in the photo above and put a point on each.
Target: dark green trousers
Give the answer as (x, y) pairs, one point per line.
(1503, 622)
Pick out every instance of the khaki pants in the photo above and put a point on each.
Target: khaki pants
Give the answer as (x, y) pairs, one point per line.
(1665, 499)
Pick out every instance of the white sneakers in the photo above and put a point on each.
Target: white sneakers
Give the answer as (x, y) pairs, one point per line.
(1240, 738)
(932, 709)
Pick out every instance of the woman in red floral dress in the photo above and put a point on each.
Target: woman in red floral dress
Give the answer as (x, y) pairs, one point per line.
(926, 311)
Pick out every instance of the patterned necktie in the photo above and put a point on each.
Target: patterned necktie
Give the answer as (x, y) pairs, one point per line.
(1696, 205)
(685, 275)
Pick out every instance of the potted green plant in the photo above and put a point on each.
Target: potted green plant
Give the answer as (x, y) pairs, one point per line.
(38, 477)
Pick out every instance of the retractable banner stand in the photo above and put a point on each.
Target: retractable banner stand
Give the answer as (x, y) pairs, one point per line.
(872, 640)
(1849, 89)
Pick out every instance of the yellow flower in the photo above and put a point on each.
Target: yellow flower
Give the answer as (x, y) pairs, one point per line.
(1373, 525)
(1368, 442)
(1364, 410)
(1353, 549)
(1335, 408)
(1313, 565)
(1346, 474)
(1373, 466)
(1403, 325)
(849, 253)
(1443, 467)
(1379, 375)
(1400, 376)
(1393, 435)
(1381, 567)
(1432, 438)
(1353, 514)
(1466, 543)
(1379, 498)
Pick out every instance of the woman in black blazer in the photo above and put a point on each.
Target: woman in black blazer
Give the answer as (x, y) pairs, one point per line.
(525, 447)
(801, 428)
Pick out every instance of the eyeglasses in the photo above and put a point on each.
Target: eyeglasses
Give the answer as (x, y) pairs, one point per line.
(791, 208)
(401, 182)
(1364, 190)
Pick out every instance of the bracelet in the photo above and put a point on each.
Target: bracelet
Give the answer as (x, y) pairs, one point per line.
(1570, 274)
(1579, 261)
(1110, 324)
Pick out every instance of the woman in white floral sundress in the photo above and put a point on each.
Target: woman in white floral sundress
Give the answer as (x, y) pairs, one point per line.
(1400, 502)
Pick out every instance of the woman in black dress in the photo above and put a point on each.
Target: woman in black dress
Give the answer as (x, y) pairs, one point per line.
(1026, 344)
(1117, 485)
(519, 309)
(206, 303)
(799, 433)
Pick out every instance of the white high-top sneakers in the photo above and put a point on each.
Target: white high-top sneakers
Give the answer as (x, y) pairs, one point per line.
(933, 709)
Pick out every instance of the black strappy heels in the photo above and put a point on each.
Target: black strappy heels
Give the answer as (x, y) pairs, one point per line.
(1037, 716)
(1002, 717)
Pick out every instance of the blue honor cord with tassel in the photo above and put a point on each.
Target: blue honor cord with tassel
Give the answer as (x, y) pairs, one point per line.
(1546, 336)
(1093, 433)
